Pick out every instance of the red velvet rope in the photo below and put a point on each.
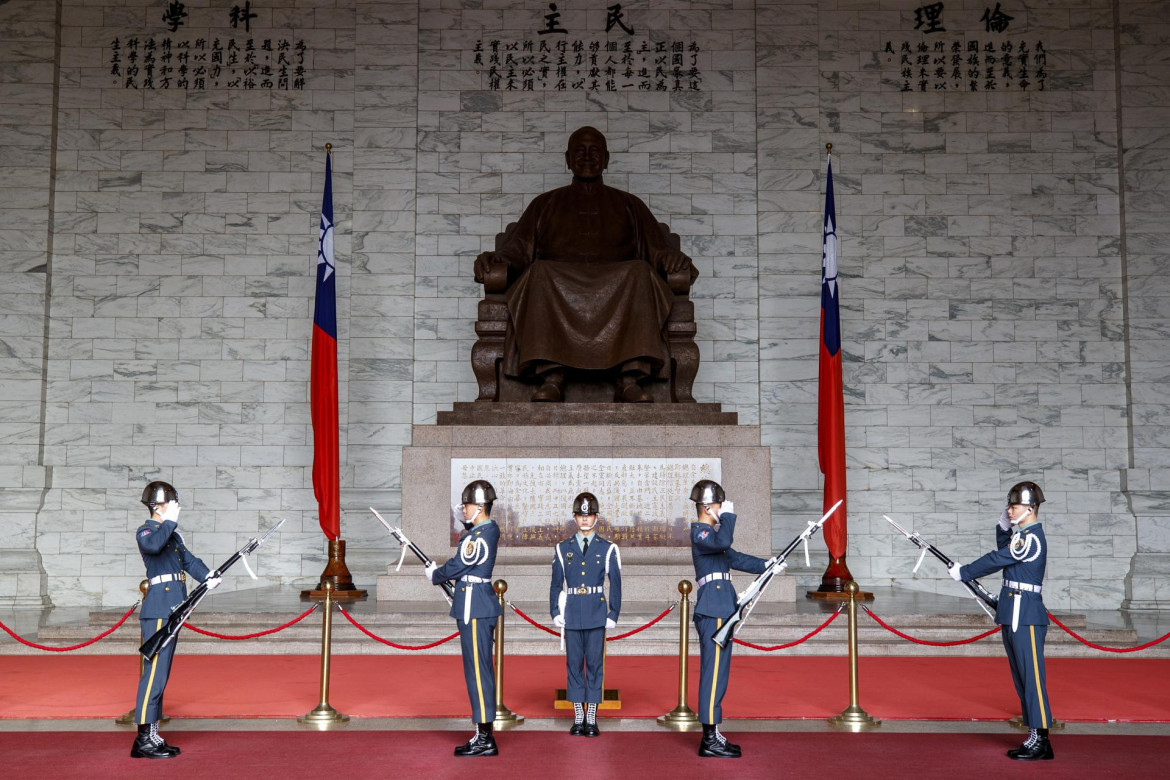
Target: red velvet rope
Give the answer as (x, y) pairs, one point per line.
(396, 646)
(1084, 641)
(86, 643)
(548, 630)
(893, 630)
(804, 638)
(294, 621)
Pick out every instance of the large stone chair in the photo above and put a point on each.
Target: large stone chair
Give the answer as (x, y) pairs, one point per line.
(671, 384)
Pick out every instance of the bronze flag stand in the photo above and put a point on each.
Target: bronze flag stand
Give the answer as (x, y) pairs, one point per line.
(336, 573)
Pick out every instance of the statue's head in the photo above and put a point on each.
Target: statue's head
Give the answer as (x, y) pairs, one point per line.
(587, 155)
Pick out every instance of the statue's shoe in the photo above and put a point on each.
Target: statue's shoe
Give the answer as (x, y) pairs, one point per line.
(633, 393)
(549, 391)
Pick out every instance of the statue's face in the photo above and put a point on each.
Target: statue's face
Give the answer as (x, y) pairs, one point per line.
(587, 156)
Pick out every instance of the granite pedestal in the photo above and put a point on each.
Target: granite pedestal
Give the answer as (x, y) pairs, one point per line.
(648, 573)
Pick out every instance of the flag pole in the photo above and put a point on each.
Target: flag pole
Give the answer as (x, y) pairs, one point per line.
(831, 407)
(324, 409)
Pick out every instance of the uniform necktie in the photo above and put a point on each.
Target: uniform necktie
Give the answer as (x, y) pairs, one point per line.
(585, 546)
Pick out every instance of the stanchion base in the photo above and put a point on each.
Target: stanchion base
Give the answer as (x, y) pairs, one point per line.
(855, 719)
(680, 719)
(610, 700)
(506, 719)
(323, 717)
(1018, 723)
(127, 719)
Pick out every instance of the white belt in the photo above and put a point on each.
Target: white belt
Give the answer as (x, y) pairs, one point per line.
(165, 578)
(719, 575)
(583, 591)
(469, 578)
(1010, 585)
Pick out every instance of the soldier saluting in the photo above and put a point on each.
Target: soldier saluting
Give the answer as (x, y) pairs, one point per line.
(475, 610)
(576, 597)
(711, 538)
(1022, 554)
(166, 558)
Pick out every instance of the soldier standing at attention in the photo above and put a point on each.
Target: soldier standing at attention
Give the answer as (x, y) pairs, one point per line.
(576, 596)
(166, 558)
(714, 558)
(1022, 554)
(475, 610)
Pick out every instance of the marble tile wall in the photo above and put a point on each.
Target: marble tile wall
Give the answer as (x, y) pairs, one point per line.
(987, 283)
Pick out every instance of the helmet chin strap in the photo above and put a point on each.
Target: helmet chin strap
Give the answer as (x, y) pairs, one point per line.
(1020, 519)
(589, 529)
(469, 524)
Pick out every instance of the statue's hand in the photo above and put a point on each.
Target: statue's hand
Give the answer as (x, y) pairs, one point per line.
(483, 262)
(673, 261)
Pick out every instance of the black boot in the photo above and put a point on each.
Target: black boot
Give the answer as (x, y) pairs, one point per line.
(1035, 748)
(148, 744)
(715, 745)
(591, 729)
(482, 744)
(578, 720)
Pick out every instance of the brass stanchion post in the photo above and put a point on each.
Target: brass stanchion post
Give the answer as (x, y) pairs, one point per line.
(505, 718)
(682, 717)
(323, 716)
(853, 717)
(127, 718)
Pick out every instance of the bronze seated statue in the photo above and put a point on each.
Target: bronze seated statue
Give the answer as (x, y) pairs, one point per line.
(586, 297)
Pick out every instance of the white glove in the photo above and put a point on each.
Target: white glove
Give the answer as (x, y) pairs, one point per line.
(1005, 522)
(727, 508)
(772, 562)
(559, 621)
(212, 581)
(954, 572)
(610, 623)
(171, 512)
(429, 570)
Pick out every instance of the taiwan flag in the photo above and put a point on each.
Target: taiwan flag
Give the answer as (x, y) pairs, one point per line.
(323, 374)
(830, 392)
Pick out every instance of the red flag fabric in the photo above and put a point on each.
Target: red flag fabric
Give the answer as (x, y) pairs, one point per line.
(830, 389)
(323, 374)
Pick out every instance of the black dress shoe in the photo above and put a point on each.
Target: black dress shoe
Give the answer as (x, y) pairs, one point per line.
(577, 730)
(1034, 749)
(715, 745)
(482, 744)
(148, 744)
(591, 730)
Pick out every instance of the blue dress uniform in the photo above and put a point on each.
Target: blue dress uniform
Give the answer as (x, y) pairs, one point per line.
(476, 609)
(1022, 556)
(166, 557)
(580, 574)
(714, 559)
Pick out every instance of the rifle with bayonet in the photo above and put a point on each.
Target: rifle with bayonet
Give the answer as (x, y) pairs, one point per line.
(974, 587)
(165, 635)
(448, 588)
(747, 600)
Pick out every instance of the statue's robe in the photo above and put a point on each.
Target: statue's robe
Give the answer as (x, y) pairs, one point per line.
(591, 295)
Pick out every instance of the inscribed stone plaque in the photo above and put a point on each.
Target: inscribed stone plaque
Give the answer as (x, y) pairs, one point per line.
(644, 501)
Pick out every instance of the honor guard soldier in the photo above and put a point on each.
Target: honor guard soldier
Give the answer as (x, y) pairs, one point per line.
(1022, 554)
(711, 539)
(581, 564)
(166, 558)
(475, 610)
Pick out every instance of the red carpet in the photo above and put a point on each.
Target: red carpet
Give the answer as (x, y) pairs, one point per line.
(308, 755)
(1081, 689)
